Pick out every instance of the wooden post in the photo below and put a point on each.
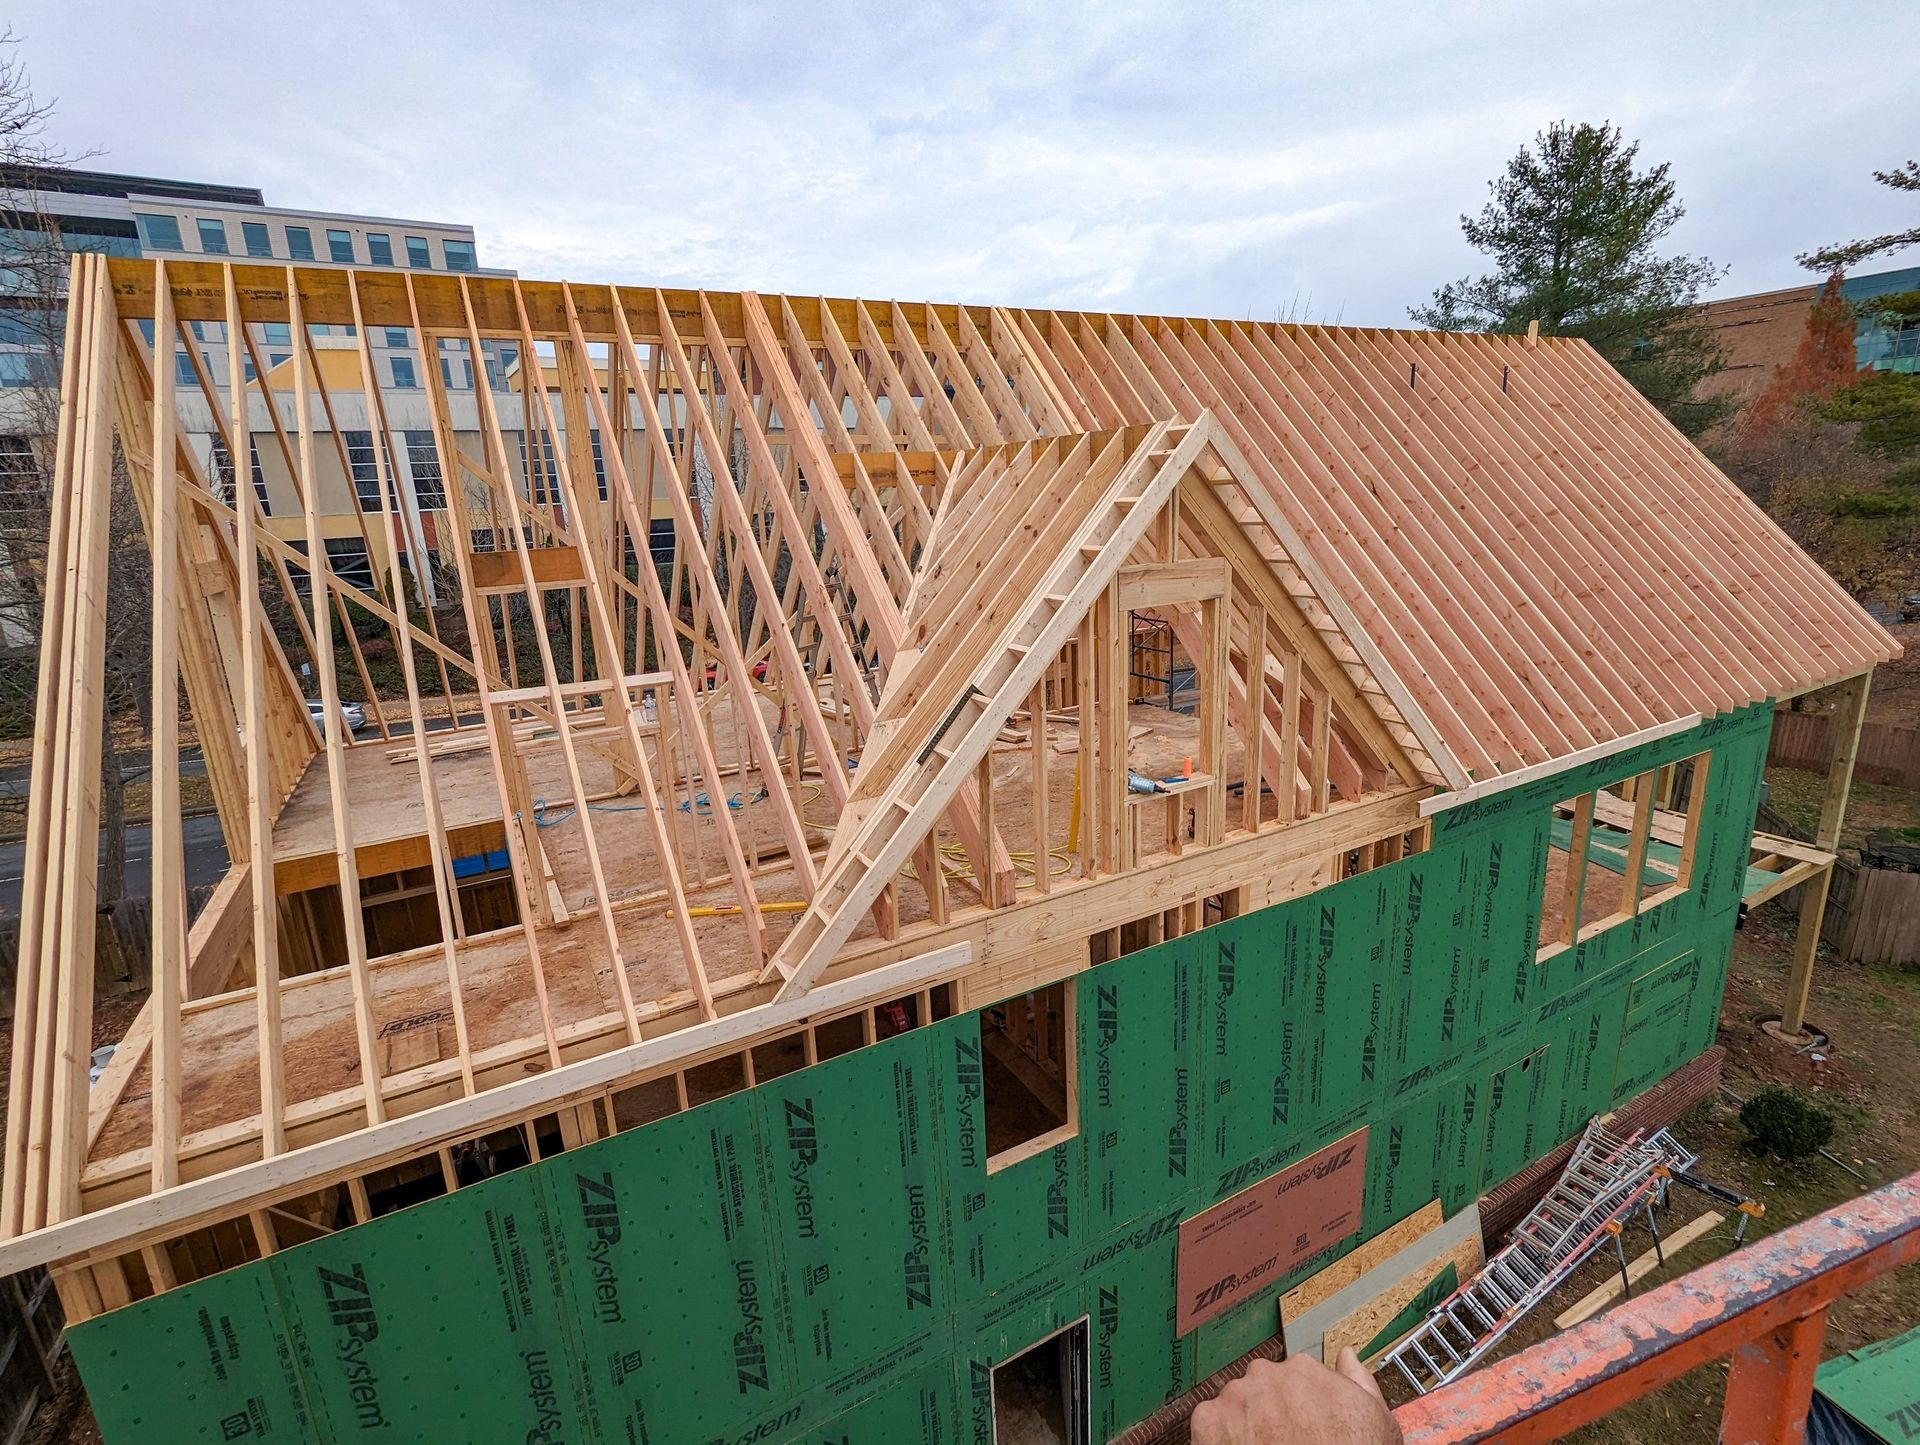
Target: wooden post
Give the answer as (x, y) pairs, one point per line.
(1850, 713)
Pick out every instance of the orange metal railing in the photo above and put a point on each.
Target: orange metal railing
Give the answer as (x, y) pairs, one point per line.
(1765, 1305)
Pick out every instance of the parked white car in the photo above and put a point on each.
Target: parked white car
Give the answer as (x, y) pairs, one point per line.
(353, 717)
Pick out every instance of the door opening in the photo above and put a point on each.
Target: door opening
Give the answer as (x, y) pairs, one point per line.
(1040, 1395)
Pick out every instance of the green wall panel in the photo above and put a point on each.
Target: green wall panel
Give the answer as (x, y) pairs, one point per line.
(1006, 1224)
(919, 1407)
(1137, 1363)
(1520, 1127)
(438, 1323)
(826, 1258)
(854, 1158)
(1139, 1084)
(210, 1362)
(640, 1237)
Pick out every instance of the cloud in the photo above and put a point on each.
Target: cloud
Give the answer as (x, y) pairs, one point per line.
(1223, 159)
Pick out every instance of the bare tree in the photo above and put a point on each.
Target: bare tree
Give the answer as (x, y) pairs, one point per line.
(33, 286)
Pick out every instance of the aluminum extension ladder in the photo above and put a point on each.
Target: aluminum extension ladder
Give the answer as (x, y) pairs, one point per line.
(1606, 1179)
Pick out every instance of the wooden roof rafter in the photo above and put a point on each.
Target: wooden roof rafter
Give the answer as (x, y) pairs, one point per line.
(1417, 562)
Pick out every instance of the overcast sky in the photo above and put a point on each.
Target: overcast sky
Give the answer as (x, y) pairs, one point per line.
(1310, 160)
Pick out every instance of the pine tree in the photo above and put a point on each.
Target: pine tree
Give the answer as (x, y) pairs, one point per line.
(1828, 258)
(1573, 229)
(1822, 363)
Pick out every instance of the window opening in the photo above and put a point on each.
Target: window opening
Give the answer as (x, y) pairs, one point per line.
(1027, 1069)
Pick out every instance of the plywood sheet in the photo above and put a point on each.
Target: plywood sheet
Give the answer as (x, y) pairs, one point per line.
(1381, 1292)
(1344, 1271)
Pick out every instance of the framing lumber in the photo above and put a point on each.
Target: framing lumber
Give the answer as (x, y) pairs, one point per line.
(893, 631)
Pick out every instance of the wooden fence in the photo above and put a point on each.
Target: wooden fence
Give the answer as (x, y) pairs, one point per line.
(31, 1339)
(1888, 754)
(121, 960)
(1873, 914)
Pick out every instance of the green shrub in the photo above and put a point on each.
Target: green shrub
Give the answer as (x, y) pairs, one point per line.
(1856, 502)
(1786, 1124)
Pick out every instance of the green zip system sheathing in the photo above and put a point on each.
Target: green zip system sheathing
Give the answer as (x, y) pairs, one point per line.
(827, 1257)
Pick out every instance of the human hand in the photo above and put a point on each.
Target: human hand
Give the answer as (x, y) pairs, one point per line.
(1298, 1401)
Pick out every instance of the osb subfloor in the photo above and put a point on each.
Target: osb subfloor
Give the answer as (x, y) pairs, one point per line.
(412, 1021)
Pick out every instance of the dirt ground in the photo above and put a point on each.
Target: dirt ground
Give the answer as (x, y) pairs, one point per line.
(1866, 1076)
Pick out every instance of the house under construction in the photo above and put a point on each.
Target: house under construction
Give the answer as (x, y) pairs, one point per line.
(789, 975)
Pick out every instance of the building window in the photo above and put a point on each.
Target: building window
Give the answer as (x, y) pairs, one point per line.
(379, 248)
(277, 333)
(347, 557)
(424, 458)
(340, 246)
(403, 376)
(599, 464)
(19, 468)
(459, 255)
(1026, 1067)
(418, 256)
(183, 372)
(543, 480)
(457, 373)
(213, 236)
(26, 368)
(299, 243)
(366, 470)
(220, 463)
(399, 338)
(259, 240)
(278, 358)
(213, 331)
(1618, 851)
(159, 233)
(297, 572)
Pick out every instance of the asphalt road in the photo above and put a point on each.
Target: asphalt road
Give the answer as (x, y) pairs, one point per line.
(206, 861)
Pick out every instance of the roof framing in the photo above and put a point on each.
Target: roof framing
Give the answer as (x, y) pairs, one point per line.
(814, 750)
